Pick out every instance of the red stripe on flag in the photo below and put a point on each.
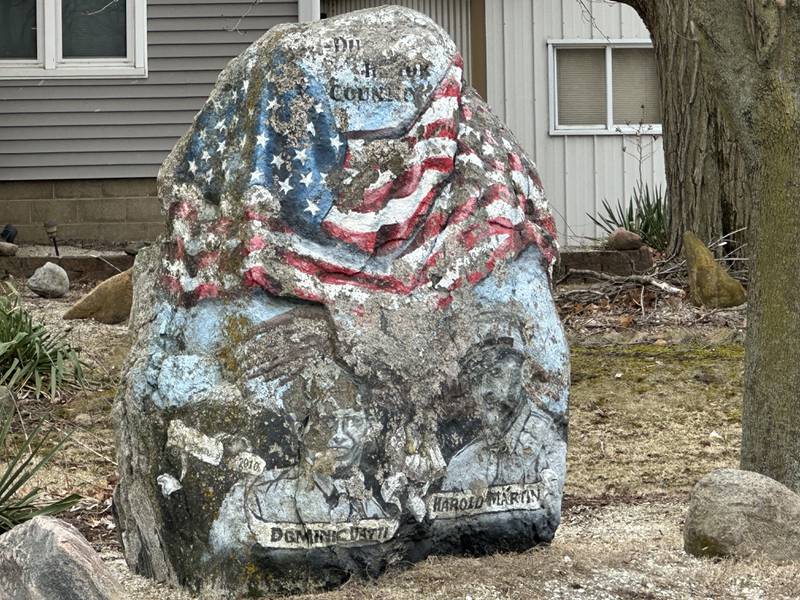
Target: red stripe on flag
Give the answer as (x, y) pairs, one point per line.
(363, 241)
(337, 274)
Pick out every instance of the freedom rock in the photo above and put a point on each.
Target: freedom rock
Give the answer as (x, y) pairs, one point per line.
(346, 351)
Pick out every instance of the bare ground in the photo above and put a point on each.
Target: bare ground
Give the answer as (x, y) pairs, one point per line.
(655, 404)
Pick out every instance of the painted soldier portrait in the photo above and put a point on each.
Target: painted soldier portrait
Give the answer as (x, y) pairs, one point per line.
(325, 412)
(517, 441)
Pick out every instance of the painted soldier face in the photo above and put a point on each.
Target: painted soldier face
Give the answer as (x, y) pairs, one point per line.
(346, 430)
(336, 437)
(496, 387)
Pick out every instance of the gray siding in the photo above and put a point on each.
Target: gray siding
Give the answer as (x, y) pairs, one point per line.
(108, 128)
(578, 171)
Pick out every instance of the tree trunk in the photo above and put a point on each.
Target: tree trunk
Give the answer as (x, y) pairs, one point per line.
(748, 55)
(706, 179)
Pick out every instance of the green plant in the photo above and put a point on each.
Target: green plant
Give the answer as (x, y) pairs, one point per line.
(32, 357)
(21, 465)
(647, 215)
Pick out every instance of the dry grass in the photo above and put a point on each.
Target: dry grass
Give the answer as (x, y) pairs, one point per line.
(651, 420)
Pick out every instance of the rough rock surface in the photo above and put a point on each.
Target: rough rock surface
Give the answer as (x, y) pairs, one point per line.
(109, 302)
(45, 559)
(8, 249)
(622, 239)
(709, 283)
(741, 513)
(346, 353)
(49, 281)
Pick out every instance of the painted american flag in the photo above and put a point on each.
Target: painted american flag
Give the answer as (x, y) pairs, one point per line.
(267, 190)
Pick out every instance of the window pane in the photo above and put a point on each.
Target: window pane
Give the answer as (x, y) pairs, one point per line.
(93, 28)
(637, 96)
(17, 29)
(581, 86)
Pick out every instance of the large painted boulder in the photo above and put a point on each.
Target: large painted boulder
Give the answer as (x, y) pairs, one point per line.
(346, 353)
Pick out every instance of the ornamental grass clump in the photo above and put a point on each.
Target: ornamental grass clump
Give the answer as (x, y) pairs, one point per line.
(647, 215)
(31, 357)
(19, 465)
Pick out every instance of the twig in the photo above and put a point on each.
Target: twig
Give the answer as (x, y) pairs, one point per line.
(99, 10)
(108, 262)
(89, 448)
(243, 17)
(642, 279)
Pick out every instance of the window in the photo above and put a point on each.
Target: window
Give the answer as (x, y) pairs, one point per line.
(603, 87)
(72, 38)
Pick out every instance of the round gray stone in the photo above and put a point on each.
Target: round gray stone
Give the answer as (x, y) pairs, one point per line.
(49, 281)
(45, 559)
(741, 513)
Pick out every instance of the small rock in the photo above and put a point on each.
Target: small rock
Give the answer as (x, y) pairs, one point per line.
(109, 302)
(46, 558)
(622, 239)
(8, 249)
(133, 248)
(49, 281)
(83, 420)
(741, 513)
(709, 284)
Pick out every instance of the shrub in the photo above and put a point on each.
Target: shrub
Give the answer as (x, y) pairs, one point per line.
(21, 465)
(647, 215)
(32, 357)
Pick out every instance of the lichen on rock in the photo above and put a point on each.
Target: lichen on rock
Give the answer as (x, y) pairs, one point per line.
(346, 350)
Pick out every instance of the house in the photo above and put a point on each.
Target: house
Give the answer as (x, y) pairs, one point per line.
(82, 135)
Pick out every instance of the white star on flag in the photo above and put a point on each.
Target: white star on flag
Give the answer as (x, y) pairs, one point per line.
(221, 147)
(220, 125)
(272, 104)
(206, 155)
(306, 179)
(301, 156)
(335, 142)
(245, 85)
(261, 140)
(277, 160)
(209, 175)
(318, 107)
(311, 208)
(192, 167)
(323, 178)
(285, 187)
(446, 196)
(310, 129)
(256, 176)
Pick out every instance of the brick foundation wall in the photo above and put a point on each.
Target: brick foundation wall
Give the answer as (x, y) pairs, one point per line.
(85, 210)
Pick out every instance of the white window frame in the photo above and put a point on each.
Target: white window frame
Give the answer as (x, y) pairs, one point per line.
(50, 63)
(609, 127)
